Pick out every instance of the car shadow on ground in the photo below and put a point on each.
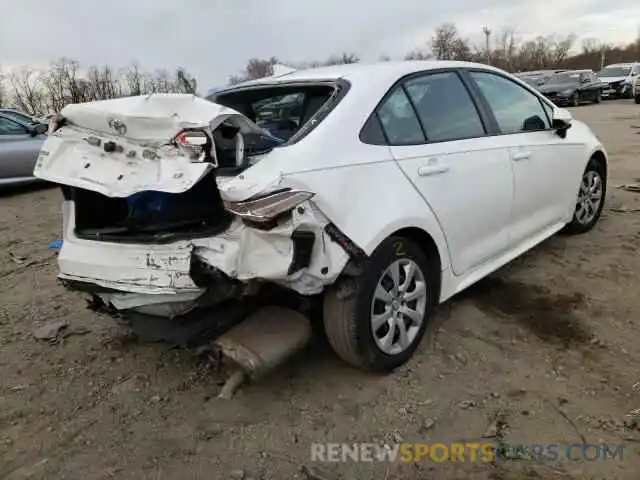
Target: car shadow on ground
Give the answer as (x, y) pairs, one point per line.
(24, 189)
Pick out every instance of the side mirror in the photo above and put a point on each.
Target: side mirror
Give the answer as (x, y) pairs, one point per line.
(586, 80)
(561, 121)
(38, 129)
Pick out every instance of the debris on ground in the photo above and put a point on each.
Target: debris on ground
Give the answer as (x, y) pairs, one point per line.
(467, 404)
(19, 259)
(239, 474)
(630, 187)
(427, 425)
(311, 473)
(498, 426)
(54, 332)
(624, 209)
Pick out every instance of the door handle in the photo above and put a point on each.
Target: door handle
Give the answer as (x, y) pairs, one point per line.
(429, 170)
(517, 156)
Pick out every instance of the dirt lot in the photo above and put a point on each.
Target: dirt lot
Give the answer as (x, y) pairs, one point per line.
(548, 345)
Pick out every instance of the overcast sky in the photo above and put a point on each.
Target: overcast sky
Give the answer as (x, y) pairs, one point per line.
(214, 38)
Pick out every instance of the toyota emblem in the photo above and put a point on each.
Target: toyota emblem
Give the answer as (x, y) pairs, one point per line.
(118, 126)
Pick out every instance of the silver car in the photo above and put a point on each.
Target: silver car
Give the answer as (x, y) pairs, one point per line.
(20, 144)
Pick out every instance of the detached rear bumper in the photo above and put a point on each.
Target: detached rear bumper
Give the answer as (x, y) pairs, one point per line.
(298, 255)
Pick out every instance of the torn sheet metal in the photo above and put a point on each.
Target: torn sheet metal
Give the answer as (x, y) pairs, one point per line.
(147, 269)
(142, 128)
(245, 253)
(154, 118)
(157, 277)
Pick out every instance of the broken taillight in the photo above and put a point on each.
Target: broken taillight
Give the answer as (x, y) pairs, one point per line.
(266, 208)
(193, 143)
(55, 123)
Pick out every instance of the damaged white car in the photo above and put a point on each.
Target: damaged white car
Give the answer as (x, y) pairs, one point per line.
(380, 190)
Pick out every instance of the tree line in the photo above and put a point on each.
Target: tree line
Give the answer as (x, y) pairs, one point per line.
(40, 92)
(66, 82)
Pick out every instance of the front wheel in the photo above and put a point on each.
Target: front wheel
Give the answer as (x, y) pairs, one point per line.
(380, 324)
(575, 99)
(598, 97)
(590, 202)
(637, 99)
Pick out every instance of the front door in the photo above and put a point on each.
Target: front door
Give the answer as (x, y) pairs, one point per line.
(545, 166)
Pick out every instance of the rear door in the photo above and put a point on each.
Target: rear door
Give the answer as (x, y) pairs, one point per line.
(438, 138)
(18, 149)
(545, 166)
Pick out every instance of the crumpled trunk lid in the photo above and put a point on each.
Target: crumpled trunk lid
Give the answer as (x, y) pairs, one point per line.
(142, 128)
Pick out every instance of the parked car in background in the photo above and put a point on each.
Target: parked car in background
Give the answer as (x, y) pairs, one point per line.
(619, 78)
(21, 116)
(20, 144)
(537, 77)
(465, 168)
(573, 87)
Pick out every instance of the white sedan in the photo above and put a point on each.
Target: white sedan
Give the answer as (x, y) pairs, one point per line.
(380, 189)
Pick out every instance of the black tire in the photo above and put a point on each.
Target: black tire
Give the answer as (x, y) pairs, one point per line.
(575, 226)
(598, 98)
(575, 100)
(637, 99)
(347, 321)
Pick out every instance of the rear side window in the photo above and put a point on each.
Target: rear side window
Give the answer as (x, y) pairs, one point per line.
(515, 108)
(399, 120)
(444, 107)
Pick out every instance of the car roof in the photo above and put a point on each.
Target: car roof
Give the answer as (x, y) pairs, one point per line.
(356, 72)
(584, 70)
(626, 64)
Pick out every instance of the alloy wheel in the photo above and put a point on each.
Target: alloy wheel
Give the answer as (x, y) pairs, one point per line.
(398, 306)
(589, 197)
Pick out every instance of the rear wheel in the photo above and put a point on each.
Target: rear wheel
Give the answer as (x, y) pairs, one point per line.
(590, 202)
(380, 324)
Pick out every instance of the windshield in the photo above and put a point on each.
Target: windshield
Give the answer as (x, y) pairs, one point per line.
(615, 72)
(567, 77)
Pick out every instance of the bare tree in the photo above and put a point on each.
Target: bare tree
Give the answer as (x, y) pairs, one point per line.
(134, 79)
(418, 54)
(27, 91)
(3, 99)
(444, 42)
(344, 58)
(185, 83)
(256, 68)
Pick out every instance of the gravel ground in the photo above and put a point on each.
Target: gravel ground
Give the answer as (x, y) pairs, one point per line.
(547, 345)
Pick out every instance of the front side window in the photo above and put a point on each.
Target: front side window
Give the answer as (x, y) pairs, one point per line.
(444, 107)
(398, 119)
(515, 109)
(9, 127)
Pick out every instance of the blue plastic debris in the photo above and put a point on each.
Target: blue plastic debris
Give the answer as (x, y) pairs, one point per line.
(56, 244)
